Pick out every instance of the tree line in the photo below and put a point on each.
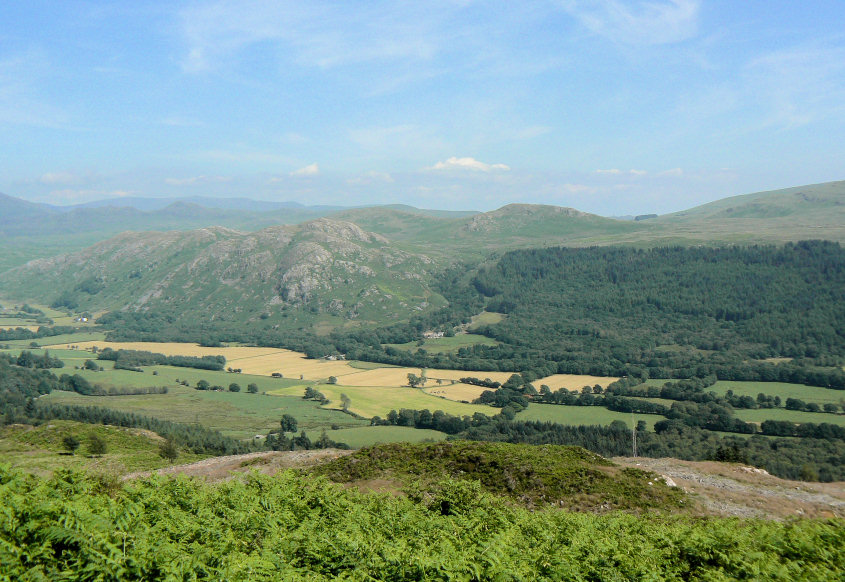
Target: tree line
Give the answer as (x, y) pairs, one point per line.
(134, 359)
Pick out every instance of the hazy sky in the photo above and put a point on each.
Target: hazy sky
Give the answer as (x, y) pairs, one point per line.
(608, 106)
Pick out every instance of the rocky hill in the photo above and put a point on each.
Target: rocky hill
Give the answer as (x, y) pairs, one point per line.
(334, 268)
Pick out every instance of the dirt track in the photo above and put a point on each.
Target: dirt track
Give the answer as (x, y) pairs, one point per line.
(268, 462)
(735, 490)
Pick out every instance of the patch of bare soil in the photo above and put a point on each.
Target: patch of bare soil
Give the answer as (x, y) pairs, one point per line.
(730, 489)
(267, 462)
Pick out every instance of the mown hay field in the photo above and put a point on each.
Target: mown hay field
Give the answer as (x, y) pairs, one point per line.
(459, 392)
(294, 365)
(369, 401)
(251, 360)
(399, 376)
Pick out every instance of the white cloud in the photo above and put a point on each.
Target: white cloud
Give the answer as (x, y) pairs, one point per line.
(612, 171)
(468, 164)
(309, 170)
(637, 22)
(196, 180)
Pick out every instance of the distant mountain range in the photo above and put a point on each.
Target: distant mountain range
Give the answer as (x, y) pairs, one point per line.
(326, 266)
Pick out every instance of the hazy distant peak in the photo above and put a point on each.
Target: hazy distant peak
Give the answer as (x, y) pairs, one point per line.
(528, 209)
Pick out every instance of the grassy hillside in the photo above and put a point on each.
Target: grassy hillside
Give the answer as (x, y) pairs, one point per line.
(534, 476)
(40, 449)
(295, 527)
(322, 273)
(476, 236)
(815, 211)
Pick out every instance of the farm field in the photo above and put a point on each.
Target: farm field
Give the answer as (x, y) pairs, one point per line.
(153, 375)
(447, 344)
(370, 435)
(62, 341)
(582, 415)
(8, 325)
(485, 318)
(294, 365)
(459, 392)
(240, 415)
(38, 449)
(251, 360)
(806, 393)
(369, 401)
(399, 376)
(760, 414)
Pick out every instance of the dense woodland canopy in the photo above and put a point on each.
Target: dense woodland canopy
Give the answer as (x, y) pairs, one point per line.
(664, 313)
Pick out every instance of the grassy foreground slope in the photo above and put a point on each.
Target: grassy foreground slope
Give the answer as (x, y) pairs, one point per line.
(535, 476)
(40, 449)
(300, 527)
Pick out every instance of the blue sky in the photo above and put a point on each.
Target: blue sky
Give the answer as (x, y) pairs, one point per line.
(609, 106)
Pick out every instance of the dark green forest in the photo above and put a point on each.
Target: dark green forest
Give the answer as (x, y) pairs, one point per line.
(675, 312)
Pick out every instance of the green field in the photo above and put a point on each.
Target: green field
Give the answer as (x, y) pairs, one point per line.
(366, 436)
(84, 336)
(582, 415)
(240, 414)
(760, 414)
(486, 318)
(379, 401)
(17, 322)
(805, 393)
(359, 365)
(39, 449)
(446, 344)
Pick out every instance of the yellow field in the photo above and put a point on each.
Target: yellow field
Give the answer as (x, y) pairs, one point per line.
(572, 381)
(258, 361)
(369, 401)
(459, 392)
(399, 376)
(266, 361)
